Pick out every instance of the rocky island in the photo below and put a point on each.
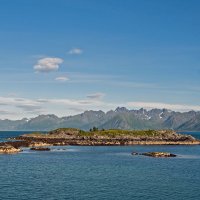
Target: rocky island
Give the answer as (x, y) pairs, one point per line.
(95, 137)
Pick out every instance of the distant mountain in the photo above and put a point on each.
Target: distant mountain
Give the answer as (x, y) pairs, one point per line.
(192, 124)
(121, 118)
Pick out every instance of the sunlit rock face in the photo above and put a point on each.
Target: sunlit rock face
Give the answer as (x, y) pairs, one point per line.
(9, 149)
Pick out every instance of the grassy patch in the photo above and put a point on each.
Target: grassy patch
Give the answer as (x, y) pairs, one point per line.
(111, 133)
(66, 129)
(116, 132)
(34, 134)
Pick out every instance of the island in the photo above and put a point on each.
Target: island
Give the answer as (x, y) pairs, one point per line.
(95, 137)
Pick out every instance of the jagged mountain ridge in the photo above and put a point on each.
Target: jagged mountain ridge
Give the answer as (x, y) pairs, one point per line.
(121, 118)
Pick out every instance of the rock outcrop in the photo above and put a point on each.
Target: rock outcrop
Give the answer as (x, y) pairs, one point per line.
(38, 144)
(159, 154)
(7, 149)
(40, 149)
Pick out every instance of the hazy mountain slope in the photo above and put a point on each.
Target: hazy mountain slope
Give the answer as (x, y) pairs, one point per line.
(191, 125)
(121, 118)
(129, 121)
(177, 119)
(11, 125)
(42, 122)
(85, 120)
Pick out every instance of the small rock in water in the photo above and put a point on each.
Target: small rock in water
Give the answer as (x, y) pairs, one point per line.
(159, 154)
(155, 154)
(134, 153)
(40, 149)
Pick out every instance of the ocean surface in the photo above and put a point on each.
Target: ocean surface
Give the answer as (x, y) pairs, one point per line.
(77, 172)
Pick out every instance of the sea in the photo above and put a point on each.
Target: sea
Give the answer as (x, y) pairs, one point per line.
(100, 173)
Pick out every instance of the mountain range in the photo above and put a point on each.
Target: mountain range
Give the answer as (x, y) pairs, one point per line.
(121, 118)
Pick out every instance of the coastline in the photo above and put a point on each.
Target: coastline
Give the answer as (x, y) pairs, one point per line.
(76, 137)
(35, 141)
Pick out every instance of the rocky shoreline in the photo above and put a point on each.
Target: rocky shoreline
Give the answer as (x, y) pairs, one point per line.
(70, 136)
(7, 149)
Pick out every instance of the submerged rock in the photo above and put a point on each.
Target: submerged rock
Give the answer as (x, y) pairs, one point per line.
(159, 154)
(40, 149)
(9, 149)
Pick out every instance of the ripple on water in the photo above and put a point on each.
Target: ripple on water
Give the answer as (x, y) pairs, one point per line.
(188, 156)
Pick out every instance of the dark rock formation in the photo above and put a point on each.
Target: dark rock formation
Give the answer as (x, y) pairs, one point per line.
(40, 149)
(159, 154)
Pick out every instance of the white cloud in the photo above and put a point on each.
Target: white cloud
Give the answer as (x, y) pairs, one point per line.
(75, 51)
(17, 108)
(5, 112)
(10, 101)
(97, 95)
(27, 107)
(72, 102)
(175, 107)
(62, 79)
(48, 64)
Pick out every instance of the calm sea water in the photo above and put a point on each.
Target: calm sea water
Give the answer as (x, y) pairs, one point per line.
(75, 172)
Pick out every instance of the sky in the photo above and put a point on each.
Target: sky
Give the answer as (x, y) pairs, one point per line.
(66, 56)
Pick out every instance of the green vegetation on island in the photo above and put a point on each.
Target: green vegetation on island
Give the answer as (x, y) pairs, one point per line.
(111, 133)
(117, 132)
(97, 137)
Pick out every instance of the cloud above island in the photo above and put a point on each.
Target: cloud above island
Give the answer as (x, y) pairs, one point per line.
(61, 79)
(97, 95)
(75, 51)
(48, 64)
(31, 107)
(160, 105)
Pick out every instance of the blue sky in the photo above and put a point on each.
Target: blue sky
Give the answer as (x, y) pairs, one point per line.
(67, 56)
